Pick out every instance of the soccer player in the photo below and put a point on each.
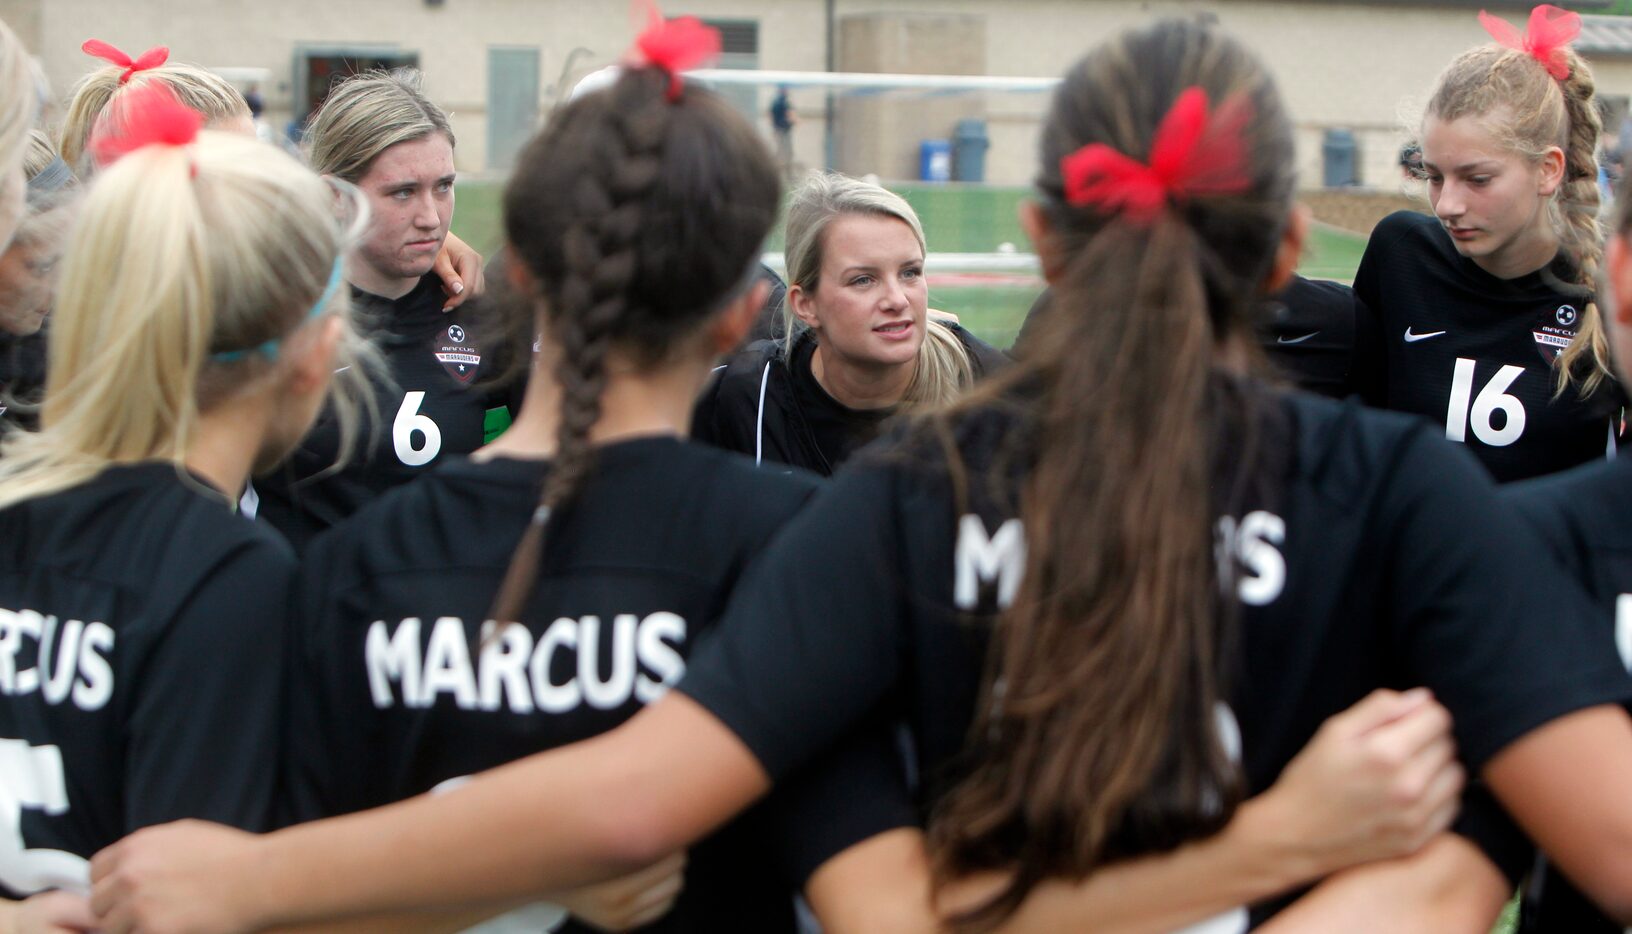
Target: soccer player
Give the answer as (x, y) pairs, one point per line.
(859, 343)
(1483, 313)
(1114, 657)
(379, 133)
(141, 621)
(1582, 513)
(27, 273)
(630, 537)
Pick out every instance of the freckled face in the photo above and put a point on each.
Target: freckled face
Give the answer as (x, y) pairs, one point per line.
(1492, 201)
(410, 196)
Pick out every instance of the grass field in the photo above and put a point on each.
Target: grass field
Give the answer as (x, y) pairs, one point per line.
(956, 219)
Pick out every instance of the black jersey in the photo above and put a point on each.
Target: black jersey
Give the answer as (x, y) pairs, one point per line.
(22, 379)
(765, 402)
(431, 408)
(397, 692)
(141, 639)
(1585, 516)
(1315, 337)
(1315, 334)
(1373, 558)
(1474, 354)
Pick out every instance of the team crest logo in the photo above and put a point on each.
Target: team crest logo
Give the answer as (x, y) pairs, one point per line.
(458, 354)
(1566, 315)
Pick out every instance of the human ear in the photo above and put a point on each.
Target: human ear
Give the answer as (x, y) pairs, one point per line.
(803, 304)
(1289, 251)
(1034, 221)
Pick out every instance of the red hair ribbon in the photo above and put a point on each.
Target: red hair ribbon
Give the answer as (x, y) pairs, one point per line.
(146, 116)
(1192, 153)
(677, 44)
(1551, 30)
(152, 58)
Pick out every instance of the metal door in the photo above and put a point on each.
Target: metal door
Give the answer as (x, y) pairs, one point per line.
(512, 102)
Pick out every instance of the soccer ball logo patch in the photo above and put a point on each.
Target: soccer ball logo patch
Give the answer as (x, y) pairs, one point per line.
(457, 333)
(1566, 315)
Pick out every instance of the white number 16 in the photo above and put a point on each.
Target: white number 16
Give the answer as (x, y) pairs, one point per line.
(1492, 398)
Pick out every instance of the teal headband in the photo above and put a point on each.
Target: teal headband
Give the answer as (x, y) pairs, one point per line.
(269, 350)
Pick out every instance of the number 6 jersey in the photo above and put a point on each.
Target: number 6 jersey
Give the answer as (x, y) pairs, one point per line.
(1474, 353)
(431, 408)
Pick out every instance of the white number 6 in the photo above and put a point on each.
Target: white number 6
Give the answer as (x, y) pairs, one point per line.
(402, 432)
(31, 777)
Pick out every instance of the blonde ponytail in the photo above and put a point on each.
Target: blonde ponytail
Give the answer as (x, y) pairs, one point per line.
(182, 263)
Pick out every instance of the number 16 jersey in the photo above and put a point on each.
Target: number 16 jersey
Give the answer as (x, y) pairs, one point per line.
(1473, 353)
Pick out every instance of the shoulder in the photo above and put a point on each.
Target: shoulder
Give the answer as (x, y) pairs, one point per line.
(1404, 224)
(985, 358)
(738, 383)
(1585, 505)
(1343, 445)
(736, 484)
(403, 514)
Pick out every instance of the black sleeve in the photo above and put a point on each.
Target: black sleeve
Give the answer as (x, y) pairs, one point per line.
(984, 359)
(856, 791)
(205, 718)
(1368, 368)
(1483, 615)
(811, 640)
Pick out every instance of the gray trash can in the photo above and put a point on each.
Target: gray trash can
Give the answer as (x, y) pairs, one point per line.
(969, 145)
(1340, 157)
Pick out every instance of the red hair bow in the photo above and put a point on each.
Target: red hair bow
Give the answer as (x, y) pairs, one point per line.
(1551, 30)
(675, 45)
(152, 58)
(146, 116)
(1190, 155)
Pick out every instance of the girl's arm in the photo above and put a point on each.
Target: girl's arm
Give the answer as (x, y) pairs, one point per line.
(1566, 784)
(55, 912)
(1376, 781)
(1449, 886)
(600, 808)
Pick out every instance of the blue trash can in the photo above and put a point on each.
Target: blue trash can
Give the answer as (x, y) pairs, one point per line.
(1340, 155)
(935, 160)
(969, 145)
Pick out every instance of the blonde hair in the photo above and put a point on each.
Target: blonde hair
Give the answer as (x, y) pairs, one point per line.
(942, 369)
(367, 114)
(39, 154)
(1529, 111)
(22, 90)
(198, 88)
(181, 264)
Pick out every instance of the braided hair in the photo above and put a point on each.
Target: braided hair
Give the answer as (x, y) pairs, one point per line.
(638, 216)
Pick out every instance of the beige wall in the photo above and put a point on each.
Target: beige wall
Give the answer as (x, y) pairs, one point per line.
(1358, 65)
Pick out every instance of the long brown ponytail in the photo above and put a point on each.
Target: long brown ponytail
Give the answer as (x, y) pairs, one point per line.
(637, 216)
(1097, 735)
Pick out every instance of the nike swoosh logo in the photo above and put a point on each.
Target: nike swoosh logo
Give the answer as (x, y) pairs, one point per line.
(1413, 338)
(1295, 340)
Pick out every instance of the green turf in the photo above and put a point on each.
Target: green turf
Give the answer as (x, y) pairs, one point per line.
(956, 219)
